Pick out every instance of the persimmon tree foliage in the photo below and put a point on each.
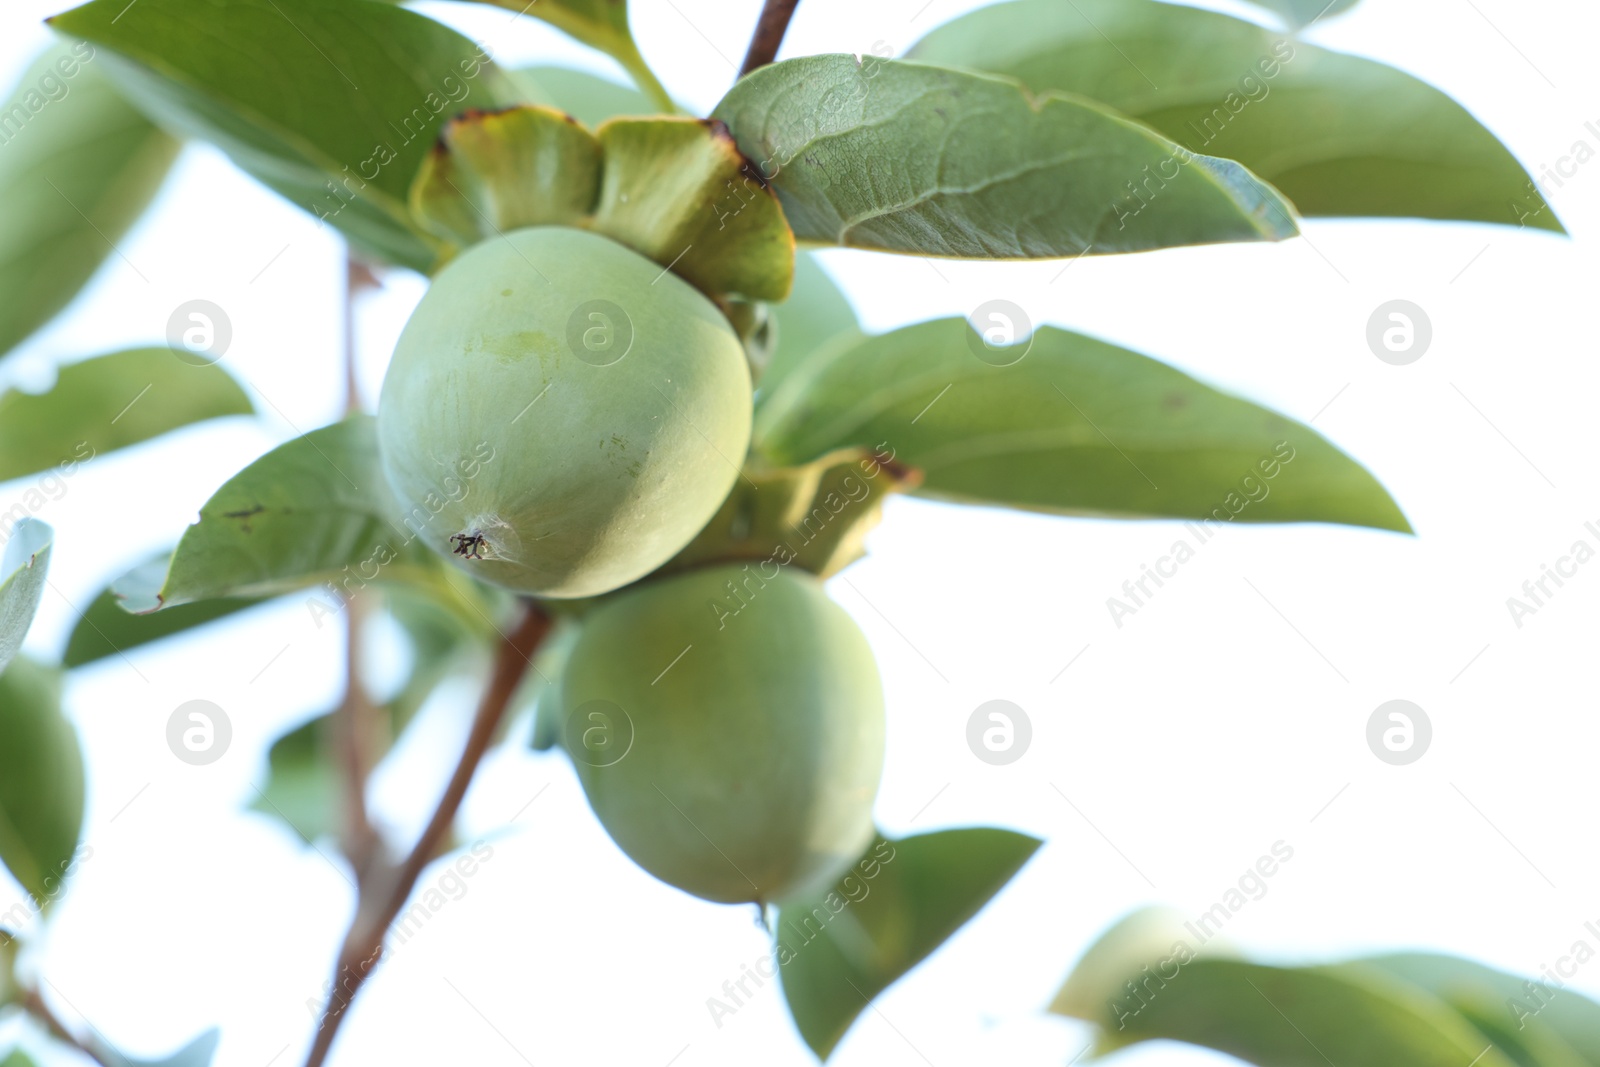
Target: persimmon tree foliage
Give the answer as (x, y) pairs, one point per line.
(632, 427)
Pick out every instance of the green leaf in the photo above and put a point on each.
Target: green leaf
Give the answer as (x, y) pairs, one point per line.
(1337, 134)
(23, 570)
(497, 171)
(906, 157)
(840, 948)
(1484, 994)
(586, 97)
(313, 510)
(107, 403)
(601, 24)
(816, 312)
(1145, 980)
(303, 786)
(77, 166)
(197, 1053)
(677, 190)
(1300, 13)
(1075, 426)
(106, 629)
(17, 1058)
(41, 781)
(332, 104)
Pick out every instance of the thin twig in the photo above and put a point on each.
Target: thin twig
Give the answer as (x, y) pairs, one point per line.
(358, 277)
(355, 720)
(770, 28)
(379, 904)
(355, 727)
(34, 1005)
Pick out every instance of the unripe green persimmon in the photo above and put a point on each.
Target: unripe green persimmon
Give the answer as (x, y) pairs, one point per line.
(561, 415)
(727, 725)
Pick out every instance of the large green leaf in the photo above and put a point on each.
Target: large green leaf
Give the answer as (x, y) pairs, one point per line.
(1149, 978)
(17, 1058)
(1483, 993)
(906, 157)
(313, 510)
(105, 629)
(815, 313)
(1075, 426)
(333, 103)
(107, 403)
(840, 948)
(41, 780)
(23, 570)
(1296, 1018)
(586, 97)
(1336, 134)
(77, 166)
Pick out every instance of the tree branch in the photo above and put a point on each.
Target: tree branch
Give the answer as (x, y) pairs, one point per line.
(34, 1005)
(355, 720)
(770, 28)
(381, 899)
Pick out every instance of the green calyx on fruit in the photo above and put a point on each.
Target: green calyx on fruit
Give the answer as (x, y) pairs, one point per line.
(815, 517)
(675, 190)
(727, 725)
(561, 416)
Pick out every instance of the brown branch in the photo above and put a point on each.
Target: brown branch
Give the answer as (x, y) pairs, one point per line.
(770, 28)
(357, 277)
(355, 725)
(382, 899)
(34, 1005)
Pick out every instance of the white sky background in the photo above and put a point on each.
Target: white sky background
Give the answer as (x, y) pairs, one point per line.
(1197, 735)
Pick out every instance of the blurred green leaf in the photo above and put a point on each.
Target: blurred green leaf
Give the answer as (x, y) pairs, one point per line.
(17, 1058)
(1148, 979)
(586, 97)
(313, 510)
(541, 689)
(1337, 134)
(197, 1053)
(1484, 994)
(601, 24)
(906, 157)
(1301, 13)
(107, 403)
(106, 629)
(77, 166)
(1075, 426)
(23, 570)
(303, 785)
(41, 780)
(816, 312)
(331, 104)
(840, 948)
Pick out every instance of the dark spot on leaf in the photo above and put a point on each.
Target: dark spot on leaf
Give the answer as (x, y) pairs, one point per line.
(1175, 401)
(244, 516)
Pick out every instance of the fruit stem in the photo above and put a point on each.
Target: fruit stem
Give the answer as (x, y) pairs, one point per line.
(381, 899)
(768, 35)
